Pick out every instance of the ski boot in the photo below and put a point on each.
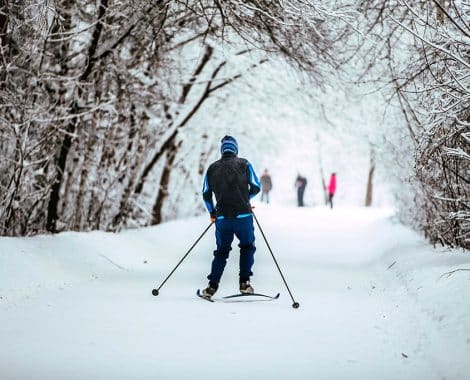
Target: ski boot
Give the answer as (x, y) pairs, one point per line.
(210, 290)
(246, 288)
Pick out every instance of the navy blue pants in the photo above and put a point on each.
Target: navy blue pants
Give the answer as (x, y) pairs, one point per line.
(225, 230)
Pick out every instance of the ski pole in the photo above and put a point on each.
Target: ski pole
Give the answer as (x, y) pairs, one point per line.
(295, 304)
(155, 292)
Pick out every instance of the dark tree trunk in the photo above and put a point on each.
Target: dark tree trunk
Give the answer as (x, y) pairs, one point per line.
(370, 178)
(164, 182)
(322, 174)
(52, 214)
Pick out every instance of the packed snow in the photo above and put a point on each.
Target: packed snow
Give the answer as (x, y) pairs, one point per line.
(376, 302)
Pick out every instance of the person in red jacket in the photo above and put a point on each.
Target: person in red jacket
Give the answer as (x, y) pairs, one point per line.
(331, 189)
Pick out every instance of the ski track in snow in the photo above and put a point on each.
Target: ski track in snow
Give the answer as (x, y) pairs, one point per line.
(79, 305)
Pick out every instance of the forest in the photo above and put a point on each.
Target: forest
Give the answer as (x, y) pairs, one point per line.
(111, 111)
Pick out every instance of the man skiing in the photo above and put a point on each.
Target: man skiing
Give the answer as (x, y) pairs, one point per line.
(234, 183)
(266, 186)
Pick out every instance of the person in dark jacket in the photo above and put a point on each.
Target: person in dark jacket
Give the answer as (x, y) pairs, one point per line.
(266, 186)
(300, 184)
(233, 182)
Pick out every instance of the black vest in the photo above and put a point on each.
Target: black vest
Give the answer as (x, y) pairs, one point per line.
(229, 179)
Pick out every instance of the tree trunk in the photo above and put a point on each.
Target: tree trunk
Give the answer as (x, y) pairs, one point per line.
(322, 174)
(164, 182)
(52, 213)
(370, 178)
(15, 183)
(80, 209)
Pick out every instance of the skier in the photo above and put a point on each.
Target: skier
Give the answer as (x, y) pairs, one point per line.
(331, 189)
(300, 184)
(266, 186)
(234, 183)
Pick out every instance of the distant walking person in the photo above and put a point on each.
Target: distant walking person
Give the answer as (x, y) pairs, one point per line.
(266, 186)
(331, 189)
(234, 183)
(300, 184)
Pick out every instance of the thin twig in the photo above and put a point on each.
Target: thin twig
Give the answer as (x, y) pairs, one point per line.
(448, 274)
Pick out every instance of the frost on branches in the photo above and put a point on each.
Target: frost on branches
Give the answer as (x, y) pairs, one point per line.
(427, 50)
(96, 95)
(100, 100)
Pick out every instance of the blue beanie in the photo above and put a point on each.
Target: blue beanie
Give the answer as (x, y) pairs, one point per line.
(229, 144)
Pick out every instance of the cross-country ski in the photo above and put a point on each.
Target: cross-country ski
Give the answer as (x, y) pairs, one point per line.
(242, 297)
(238, 295)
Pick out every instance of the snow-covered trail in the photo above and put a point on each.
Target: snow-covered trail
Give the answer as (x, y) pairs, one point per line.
(373, 304)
